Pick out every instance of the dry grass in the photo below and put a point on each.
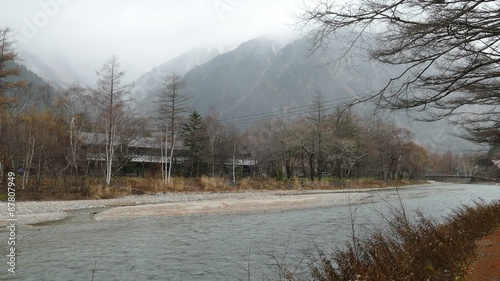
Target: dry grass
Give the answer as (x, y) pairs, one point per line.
(213, 184)
(412, 251)
(94, 188)
(107, 192)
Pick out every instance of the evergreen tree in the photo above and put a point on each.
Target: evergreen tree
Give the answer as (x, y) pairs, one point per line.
(196, 140)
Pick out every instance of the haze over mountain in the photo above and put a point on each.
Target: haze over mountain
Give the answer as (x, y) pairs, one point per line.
(149, 85)
(259, 76)
(264, 76)
(57, 71)
(25, 74)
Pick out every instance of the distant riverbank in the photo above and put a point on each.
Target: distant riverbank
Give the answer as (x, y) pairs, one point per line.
(174, 203)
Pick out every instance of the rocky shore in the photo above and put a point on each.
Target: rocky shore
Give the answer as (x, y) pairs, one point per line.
(180, 204)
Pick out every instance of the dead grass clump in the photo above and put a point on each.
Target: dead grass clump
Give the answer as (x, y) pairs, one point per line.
(179, 184)
(323, 184)
(213, 184)
(267, 184)
(366, 183)
(145, 184)
(245, 184)
(412, 251)
(106, 192)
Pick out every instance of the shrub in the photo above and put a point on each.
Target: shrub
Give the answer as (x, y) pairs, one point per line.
(412, 251)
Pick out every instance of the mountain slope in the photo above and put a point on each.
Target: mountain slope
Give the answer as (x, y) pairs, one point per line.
(24, 75)
(58, 72)
(149, 85)
(227, 79)
(262, 76)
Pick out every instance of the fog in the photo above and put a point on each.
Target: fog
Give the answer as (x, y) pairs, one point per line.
(143, 34)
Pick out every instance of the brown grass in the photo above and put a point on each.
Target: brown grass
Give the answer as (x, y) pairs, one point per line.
(412, 251)
(213, 184)
(107, 192)
(94, 188)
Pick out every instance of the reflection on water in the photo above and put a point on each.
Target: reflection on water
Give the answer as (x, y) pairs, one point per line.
(211, 247)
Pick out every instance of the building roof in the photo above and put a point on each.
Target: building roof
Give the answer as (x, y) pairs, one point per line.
(89, 138)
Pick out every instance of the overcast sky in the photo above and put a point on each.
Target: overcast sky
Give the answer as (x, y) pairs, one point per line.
(142, 33)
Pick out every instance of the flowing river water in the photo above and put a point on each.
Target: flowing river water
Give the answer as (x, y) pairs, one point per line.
(244, 246)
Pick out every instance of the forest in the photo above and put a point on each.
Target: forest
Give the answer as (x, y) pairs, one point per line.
(51, 137)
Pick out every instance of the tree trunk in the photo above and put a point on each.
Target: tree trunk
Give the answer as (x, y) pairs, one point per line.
(171, 157)
(164, 154)
(311, 167)
(234, 164)
(29, 160)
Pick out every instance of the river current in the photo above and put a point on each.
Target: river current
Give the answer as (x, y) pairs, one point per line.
(214, 247)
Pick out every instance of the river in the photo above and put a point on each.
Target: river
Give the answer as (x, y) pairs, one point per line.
(216, 246)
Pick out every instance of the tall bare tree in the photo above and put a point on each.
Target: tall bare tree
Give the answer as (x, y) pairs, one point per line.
(221, 138)
(8, 73)
(173, 104)
(8, 70)
(314, 135)
(110, 96)
(74, 104)
(213, 127)
(447, 53)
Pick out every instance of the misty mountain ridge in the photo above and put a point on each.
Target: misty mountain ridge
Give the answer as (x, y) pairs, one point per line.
(24, 74)
(153, 81)
(263, 75)
(150, 85)
(58, 72)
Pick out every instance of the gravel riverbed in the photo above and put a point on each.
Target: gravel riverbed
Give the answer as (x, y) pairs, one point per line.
(180, 204)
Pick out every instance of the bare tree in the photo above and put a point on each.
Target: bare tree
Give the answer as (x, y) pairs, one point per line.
(390, 144)
(32, 97)
(274, 146)
(289, 146)
(447, 53)
(213, 127)
(173, 104)
(315, 133)
(7, 67)
(346, 147)
(110, 96)
(74, 103)
(261, 140)
(8, 71)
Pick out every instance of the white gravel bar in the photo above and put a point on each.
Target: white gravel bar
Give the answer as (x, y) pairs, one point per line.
(163, 204)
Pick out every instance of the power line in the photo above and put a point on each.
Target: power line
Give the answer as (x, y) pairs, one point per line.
(290, 112)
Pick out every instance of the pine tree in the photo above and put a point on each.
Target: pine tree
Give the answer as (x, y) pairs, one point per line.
(195, 136)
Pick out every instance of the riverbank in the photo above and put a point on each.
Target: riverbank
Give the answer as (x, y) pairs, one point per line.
(93, 188)
(465, 246)
(210, 247)
(179, 203)
(486, 266)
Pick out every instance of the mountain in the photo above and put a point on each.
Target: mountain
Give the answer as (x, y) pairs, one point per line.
(24, 75)
(58, 72)
(149, 85)
(37, 93)
(228, 79)
(263, 75)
